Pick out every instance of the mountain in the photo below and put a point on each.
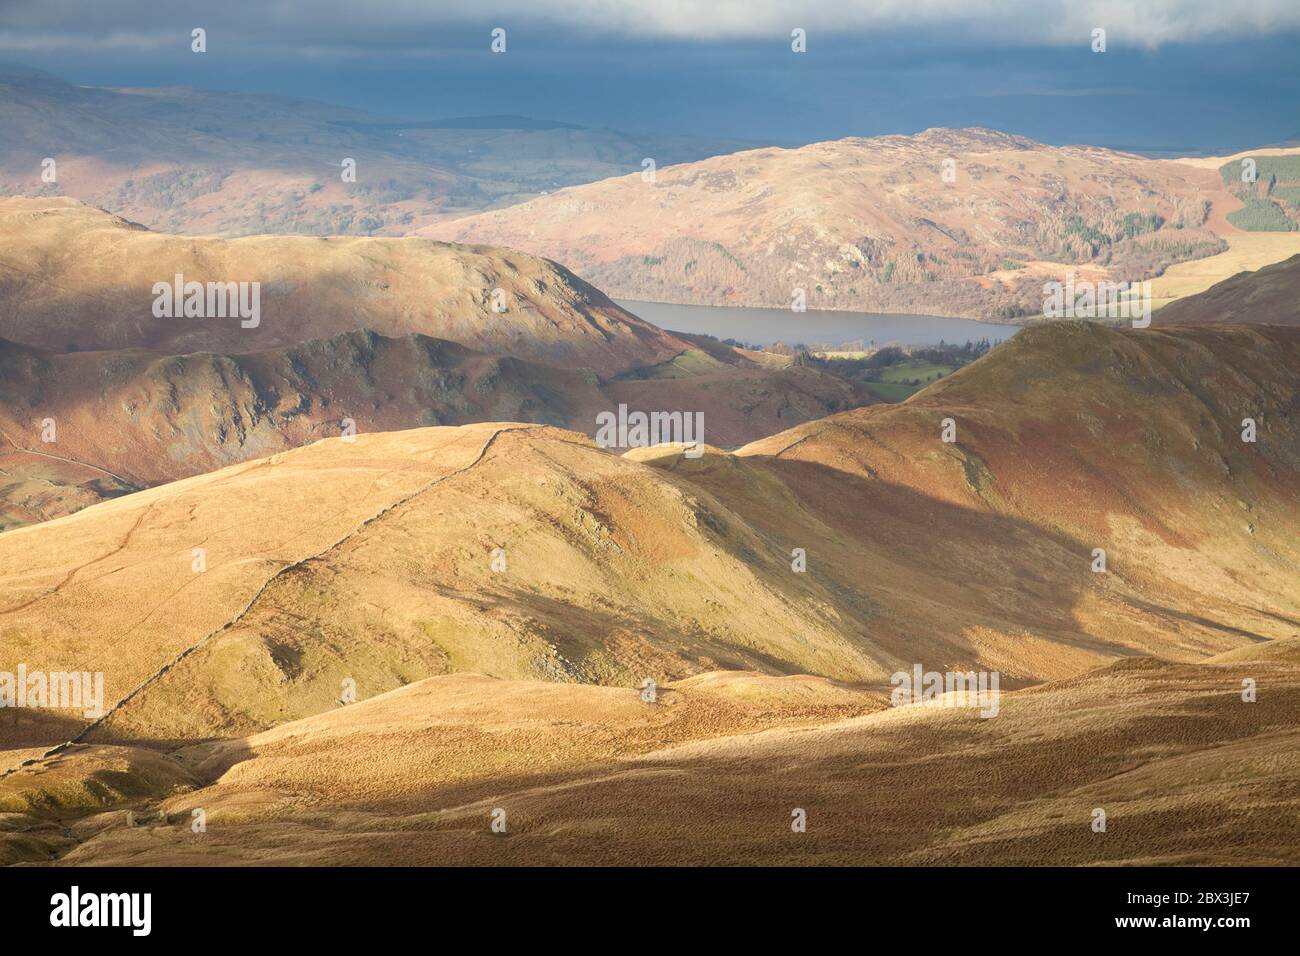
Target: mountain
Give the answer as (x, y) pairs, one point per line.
(977, 554)
(75, 277)
(873, 224)
(137, 399)
(1268, 295)
(496, 593)
(129, 419)
(205, 162)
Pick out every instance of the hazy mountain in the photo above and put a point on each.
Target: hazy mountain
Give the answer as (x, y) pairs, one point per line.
(206, 162)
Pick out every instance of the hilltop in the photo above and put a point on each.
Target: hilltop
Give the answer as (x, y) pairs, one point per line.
(966, 222)
(73, 277)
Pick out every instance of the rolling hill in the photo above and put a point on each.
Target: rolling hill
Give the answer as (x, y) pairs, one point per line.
(978, 553)
(1185, 772)
(77, 278)
(129, 419)
(882, 224)
(1268, 295)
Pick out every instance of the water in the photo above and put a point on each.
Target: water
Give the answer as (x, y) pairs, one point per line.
(765, 326)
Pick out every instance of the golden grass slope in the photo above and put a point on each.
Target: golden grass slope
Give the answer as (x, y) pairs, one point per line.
(711, 773)
(525, 552)
(378, 567)
(117, 588)
(1270, 295)
(1246, 253)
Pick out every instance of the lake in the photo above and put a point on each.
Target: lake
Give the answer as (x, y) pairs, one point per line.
(765, 326)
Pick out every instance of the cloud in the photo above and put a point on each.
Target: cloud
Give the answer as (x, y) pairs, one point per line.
(357, 25)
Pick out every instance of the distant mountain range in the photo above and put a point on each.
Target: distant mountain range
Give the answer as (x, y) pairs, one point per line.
(198, 161)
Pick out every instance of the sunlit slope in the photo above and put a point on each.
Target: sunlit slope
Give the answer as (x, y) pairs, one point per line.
(373, 560)
(1078, 438)
(1270, 295)
(965, 222)
(1183, 768)
(127, 586)
(526, 552)
(72, 276)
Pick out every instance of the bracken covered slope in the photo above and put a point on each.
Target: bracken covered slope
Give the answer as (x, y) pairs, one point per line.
(1270, 295)
(952, 222)
(712, 772)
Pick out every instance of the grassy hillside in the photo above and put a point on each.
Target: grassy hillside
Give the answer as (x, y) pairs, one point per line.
(807, 568)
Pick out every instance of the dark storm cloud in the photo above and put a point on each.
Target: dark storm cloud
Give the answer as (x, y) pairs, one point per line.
(1177, 74)
(388, 25)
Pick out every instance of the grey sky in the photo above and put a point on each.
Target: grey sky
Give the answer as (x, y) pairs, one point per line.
(1177, 74)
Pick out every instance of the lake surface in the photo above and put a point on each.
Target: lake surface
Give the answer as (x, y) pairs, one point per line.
(765, 326)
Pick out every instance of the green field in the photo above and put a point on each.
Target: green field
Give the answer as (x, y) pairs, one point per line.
(889, 391)
(1286, 169)
(904, 372)
(895, 382)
